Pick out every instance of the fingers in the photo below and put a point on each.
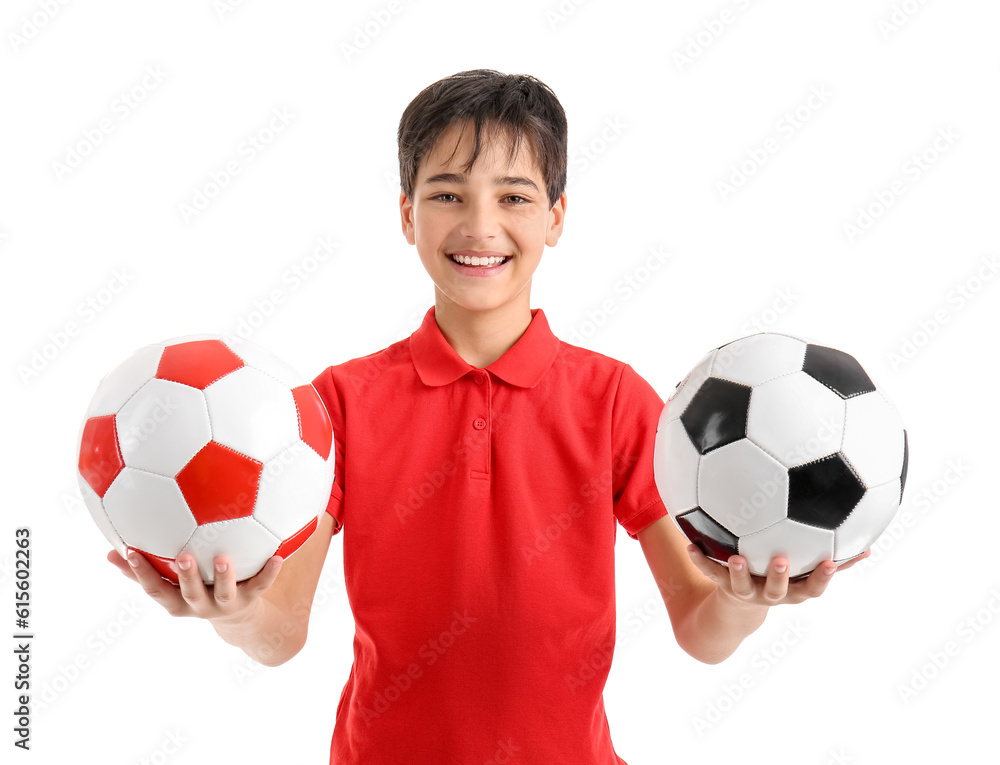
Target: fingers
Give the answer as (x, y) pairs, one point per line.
(739, 578)
(192, 587)
(852, 561)
(224, 596)
(709, 568)
(224, 587)
(160, 590)
(231, 596)
(191, 596)
(769, 590)
(775, 587)
(776, 583)
(816, 583)
(121, 564)
(264, 578)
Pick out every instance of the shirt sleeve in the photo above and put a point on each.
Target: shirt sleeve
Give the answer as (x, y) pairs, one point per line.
(635, 415)
(327, 389)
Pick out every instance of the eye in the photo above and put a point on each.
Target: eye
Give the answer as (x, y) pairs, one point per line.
(439, 197)
(521, 200)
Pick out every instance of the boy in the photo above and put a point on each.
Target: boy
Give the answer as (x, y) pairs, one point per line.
(482, 468)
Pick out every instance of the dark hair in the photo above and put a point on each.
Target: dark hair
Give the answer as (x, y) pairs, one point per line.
(516, 104)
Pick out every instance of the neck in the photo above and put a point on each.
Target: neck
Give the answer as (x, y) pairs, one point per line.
(481, 337)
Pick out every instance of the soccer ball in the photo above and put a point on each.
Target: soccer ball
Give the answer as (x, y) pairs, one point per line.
(207, 445)
(775, 445)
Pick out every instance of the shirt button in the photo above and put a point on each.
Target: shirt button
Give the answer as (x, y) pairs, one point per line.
(479, 423)
(479, 379)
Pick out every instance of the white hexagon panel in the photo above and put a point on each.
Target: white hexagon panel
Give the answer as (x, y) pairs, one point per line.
(758, 358)
(243, 540)
(264, 361)
(802, 545)
(162, 427)
(299, 477)
(676, 466)
(796, 419)
(149, 511)
(872, 440)
(121, 384)
(742, 487)
(274, 425)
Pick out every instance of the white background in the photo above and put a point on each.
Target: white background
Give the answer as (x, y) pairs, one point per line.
(652, 136)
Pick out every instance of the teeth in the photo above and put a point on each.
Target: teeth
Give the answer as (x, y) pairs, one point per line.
(467, 260)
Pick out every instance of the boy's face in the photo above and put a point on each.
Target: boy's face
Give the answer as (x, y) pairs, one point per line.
(495, 209)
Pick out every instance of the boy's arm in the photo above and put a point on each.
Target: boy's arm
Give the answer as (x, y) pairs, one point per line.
(698, 613)
(276, 629)
(712, 608)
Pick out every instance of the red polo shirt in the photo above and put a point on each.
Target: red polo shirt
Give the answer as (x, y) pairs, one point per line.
(479, 511)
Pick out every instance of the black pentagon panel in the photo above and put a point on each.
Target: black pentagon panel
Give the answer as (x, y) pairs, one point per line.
(717, 414)
(823, 493)
(838, 371)
(712, 539)
(906, 460)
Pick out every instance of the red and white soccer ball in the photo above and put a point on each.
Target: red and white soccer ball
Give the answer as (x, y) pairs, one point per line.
(207, 445)
(775, 445)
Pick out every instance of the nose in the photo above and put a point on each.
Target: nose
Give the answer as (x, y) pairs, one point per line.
(479, 222)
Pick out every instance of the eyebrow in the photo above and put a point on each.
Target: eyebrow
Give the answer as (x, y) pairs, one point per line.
(504, 180)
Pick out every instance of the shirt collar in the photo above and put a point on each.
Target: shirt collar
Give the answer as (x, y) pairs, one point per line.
(523, 365)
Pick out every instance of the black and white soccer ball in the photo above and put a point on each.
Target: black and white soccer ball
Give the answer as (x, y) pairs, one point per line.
(776, 445)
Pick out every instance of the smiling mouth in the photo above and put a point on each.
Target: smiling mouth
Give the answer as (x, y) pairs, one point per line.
(482, 260)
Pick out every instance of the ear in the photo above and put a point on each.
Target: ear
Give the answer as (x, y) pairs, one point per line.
(406, 217)
(557, 216)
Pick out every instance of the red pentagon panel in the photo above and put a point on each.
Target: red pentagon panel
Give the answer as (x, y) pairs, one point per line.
(162, 565)
(295, 541)
(100, 458)
(315, 427)
(198, 363)
(219, 484)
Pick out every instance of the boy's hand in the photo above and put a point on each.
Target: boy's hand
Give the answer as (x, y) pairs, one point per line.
(772, 590)
(221, 602)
